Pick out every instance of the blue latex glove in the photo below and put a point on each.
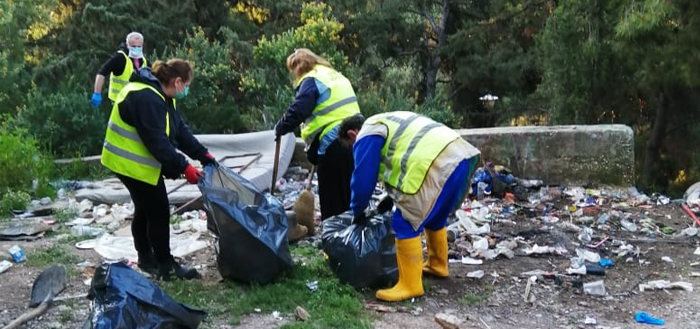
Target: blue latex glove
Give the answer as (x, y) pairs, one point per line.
(96, 100)
(643, 317)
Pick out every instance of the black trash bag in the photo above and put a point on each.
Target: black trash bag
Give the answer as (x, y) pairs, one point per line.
(250, 227)
(124, 299)
(363, 256)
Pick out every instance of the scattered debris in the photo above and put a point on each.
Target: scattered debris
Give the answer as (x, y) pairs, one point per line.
(590, 320)
(530, 282)
(448, 320)
(665, 284)
(17, 254)
(595, 288)
(476, 274)
(312, 285)
(4, 266)
(643, 317)
(301, 314)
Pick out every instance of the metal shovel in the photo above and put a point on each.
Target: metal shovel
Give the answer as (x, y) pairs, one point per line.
(45, 288)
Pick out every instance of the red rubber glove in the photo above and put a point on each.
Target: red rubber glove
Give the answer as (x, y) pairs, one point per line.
(208, 159)
(192, 174)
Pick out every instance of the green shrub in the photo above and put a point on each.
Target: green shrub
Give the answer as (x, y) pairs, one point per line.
(24, 168)
(64, 121)
(12, 200)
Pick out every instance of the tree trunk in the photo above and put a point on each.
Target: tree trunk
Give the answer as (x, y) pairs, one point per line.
(652, 155)
(434, 61)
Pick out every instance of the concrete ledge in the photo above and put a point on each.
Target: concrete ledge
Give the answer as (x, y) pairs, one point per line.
(602, 154)
(558, 155)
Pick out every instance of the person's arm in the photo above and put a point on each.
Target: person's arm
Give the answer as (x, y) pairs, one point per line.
(149, 121)
(301, 109)
(99, 82)
(367, 152)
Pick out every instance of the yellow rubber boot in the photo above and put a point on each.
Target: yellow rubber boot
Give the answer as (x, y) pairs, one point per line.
(409, 257)
(436, 264)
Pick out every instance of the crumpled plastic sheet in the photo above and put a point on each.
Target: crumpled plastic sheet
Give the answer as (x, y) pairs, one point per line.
(125, 299)
(361, 255)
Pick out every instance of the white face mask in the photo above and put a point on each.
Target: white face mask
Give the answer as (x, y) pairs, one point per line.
(136, 52)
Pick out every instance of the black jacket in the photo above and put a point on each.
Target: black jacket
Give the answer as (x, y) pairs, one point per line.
(117, 62)
(145, 111)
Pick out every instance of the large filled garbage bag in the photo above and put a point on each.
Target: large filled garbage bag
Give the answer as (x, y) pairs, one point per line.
(250, 227)
(363, 256)
(124, 299)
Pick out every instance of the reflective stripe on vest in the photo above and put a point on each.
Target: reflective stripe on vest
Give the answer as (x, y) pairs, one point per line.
(123, 151)
(341, 104)
(117, 82)
(412, 144)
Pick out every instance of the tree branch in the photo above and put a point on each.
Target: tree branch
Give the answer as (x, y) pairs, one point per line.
(515, 13)
(431, 20)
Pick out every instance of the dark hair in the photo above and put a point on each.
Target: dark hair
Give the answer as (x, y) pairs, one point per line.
(166, 72)
(354, 122)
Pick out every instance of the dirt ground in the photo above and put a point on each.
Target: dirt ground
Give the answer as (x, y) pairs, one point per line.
(493, 301)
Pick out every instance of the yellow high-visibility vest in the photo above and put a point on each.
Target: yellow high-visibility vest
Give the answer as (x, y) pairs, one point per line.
(341, 104)
(117, 82)
(123, 151)
(413, 143)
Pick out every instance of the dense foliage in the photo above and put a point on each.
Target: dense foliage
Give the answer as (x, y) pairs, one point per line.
(549, 61)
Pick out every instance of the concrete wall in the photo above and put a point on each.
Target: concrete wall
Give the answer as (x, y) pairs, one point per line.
(558, 155)
(601, 154)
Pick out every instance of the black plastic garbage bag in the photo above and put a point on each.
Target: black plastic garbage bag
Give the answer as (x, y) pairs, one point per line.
(250, 227)
(125, 299)
(362, 256)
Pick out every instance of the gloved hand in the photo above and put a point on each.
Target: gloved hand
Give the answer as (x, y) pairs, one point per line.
(208, 159)
(360, 219)
(192, 174)
(386, 204)
(96, 99)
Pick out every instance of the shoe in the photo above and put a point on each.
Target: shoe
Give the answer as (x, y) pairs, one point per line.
(171, 267)
(409, 257)
(436, 264)
(297, 232)
(147, 263)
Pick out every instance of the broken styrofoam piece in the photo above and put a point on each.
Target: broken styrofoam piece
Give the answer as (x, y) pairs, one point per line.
(588, 256)
(545, 250)
(80, 222)
(480, 244)
(471, 261)
(476, 274)
(595, 288)
(697, 251)
(665, 284)
(467, 224)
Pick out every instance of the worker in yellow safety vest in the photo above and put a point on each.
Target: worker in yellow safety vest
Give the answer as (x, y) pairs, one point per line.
(324, 97)
(127, 60)
(426, 168)
(142, 135)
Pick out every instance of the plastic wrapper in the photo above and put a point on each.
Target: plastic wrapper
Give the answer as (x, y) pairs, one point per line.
(124, 299)
(363, 256)
(250, 227)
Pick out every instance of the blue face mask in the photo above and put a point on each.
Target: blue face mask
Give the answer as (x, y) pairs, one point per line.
(181, 94)
(135, 52)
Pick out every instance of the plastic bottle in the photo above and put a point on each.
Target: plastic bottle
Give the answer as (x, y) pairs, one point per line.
(481, 187)
(629, 226)
(81, 230)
